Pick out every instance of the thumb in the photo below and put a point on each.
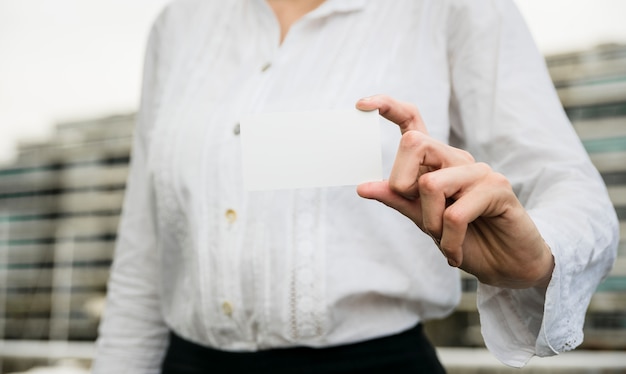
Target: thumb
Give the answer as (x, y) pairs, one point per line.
(381, 192)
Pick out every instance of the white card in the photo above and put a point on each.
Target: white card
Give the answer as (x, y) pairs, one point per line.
(310, 149)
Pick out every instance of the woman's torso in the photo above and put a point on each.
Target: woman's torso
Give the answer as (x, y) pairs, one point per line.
(253, 270)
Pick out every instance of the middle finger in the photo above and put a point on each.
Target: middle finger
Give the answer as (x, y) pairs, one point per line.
(417, 154)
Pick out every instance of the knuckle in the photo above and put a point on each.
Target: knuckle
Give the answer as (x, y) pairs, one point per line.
(454, 217)
(465, 155)
(500, 181)
(411, 139)
(431, 228)
(428, 183)
(401, 186)
(484, 168)
(412, 111)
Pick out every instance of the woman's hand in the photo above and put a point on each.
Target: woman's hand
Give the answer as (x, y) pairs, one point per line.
(470, 211)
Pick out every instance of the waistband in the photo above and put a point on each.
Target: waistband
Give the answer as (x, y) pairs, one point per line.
(406, 352)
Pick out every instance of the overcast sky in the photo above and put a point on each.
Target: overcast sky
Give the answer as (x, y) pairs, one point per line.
(72, 59)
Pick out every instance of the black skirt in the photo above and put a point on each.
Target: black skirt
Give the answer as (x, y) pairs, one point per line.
(407, 352)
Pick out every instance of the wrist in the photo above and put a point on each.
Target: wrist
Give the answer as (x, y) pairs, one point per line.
(545, 279)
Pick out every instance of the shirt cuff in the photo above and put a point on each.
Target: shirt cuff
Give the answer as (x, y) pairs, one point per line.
(518, 324)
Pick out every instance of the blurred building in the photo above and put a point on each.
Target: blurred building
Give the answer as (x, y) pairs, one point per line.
(592, 88)
(60, 204)
(59, 210)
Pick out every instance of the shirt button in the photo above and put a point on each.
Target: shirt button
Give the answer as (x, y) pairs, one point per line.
(266, 66)
(231, 216)
(227, 308)
(237, 129)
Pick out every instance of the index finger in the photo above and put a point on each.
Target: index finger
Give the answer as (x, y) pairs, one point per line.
(405, 115)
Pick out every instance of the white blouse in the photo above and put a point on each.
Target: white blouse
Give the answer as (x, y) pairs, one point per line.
(317, 267)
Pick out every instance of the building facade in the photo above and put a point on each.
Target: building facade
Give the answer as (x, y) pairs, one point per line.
(592, 89)
(59, 209)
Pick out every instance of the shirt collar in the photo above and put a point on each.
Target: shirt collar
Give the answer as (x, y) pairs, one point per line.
(326, 9)
(330, 7)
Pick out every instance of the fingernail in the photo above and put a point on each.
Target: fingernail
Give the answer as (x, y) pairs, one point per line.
(453, 263)
(367, 98)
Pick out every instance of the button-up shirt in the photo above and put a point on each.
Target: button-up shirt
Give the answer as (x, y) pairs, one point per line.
(239, 270)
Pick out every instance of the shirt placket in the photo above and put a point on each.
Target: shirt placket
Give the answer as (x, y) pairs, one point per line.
(238, 258)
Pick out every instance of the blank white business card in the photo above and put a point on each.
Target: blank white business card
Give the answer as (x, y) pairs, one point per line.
(310, 149)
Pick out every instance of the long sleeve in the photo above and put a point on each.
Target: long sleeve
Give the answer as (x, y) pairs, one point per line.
(132, 334)
(508, 115)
